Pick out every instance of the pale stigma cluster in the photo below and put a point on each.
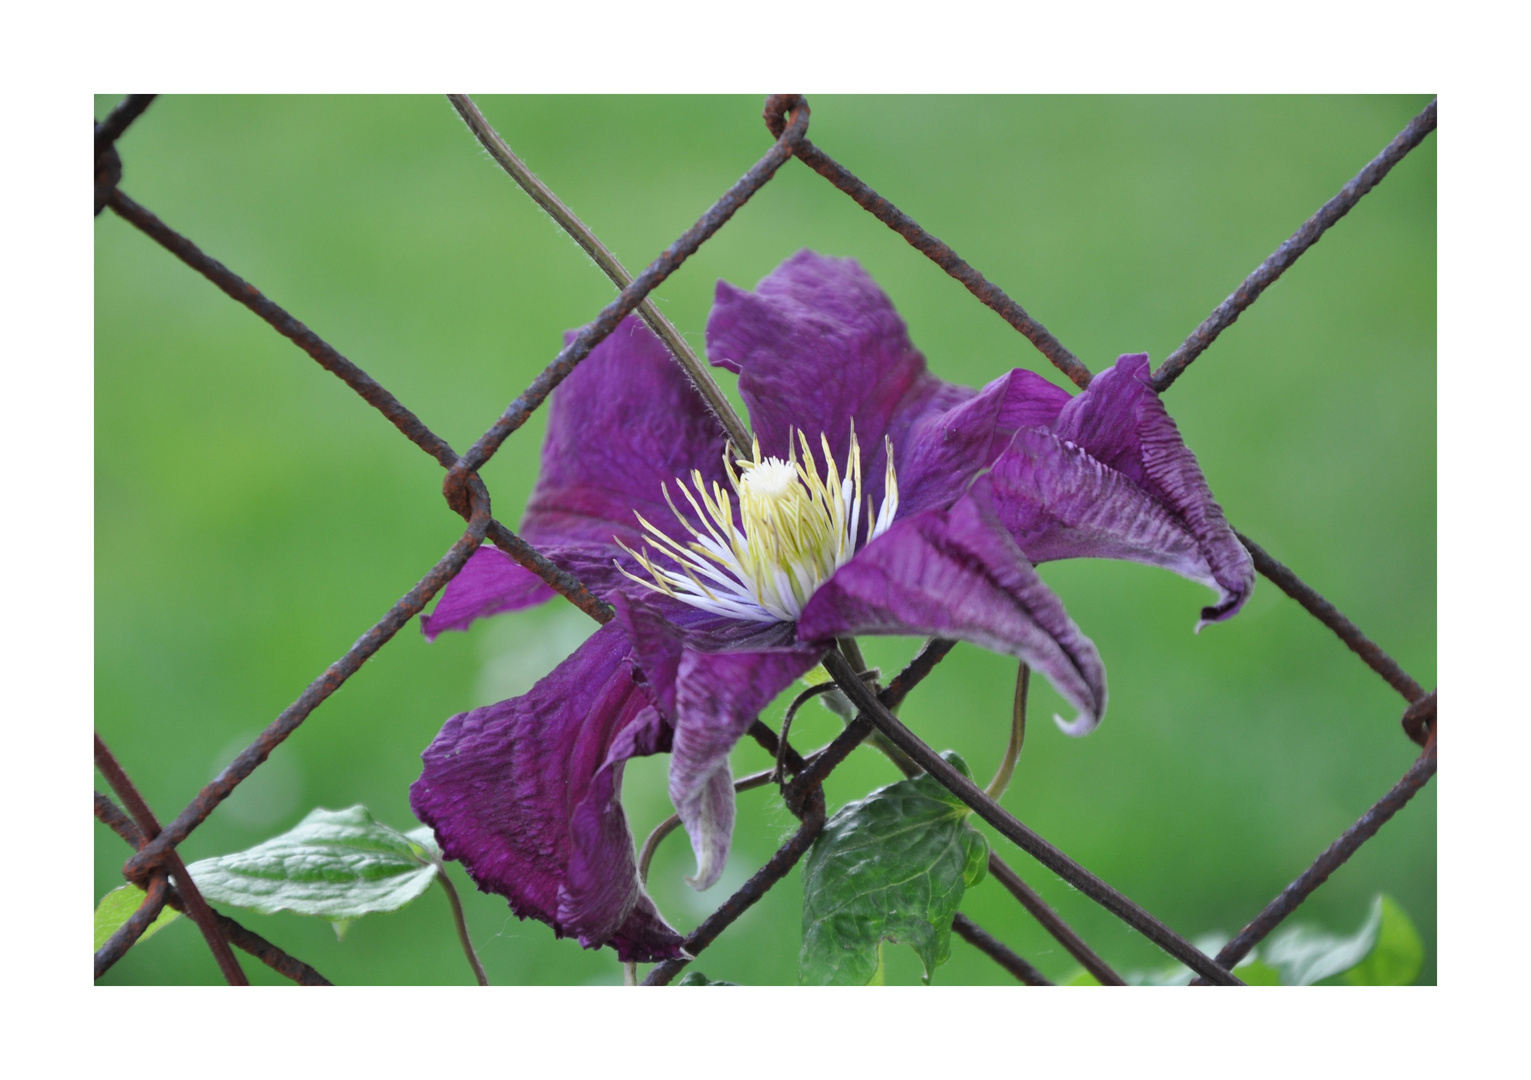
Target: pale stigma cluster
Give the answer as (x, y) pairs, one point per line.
(795, 529)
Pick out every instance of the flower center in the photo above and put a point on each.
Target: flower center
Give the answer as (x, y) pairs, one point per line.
(795, 529)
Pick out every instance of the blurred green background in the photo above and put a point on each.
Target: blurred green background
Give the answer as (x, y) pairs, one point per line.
(254, 517)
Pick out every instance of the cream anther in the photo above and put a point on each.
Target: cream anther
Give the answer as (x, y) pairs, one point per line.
(795, 529)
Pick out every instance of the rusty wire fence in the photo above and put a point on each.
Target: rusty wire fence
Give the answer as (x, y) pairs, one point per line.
(155, 865)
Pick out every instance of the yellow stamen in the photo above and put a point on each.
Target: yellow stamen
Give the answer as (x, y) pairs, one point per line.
(796, 528)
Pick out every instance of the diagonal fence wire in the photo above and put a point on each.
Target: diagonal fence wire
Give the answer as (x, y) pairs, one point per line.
(111, 815)
(1333, 857)
(1284, 256)
(701, 379)
(156, 860)
(629, 298)
(778, 106)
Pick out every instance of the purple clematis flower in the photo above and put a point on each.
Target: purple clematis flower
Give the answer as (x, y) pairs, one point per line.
(878, 499)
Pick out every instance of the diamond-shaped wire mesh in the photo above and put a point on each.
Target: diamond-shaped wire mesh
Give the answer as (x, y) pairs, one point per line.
(1318, 439)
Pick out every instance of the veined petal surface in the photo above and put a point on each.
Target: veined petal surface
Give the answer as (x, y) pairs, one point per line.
(624, 424)
(525, 795)
(957, 573)
(1121, 423)
(817, 347)
(712, 681)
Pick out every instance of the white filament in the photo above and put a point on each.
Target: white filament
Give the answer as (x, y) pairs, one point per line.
(795, 529)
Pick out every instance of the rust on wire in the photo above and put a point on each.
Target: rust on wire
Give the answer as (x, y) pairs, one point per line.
(108, 176)
(241, 290)
(771, 744)
(806, 792)
(267, 953)
(148, 827)
(108, 131)
(776, 868)
(322, 687)
(156, 861)
(562, 582)
(127, 935)
(989, 294)
(1018, 833)
(696, 370)
(110, 814)
(1284, 256)
(1330, 616)
(123, 113)
(813, 773)
(1332, 859)
(646, 282)
(1419, 719)
(805, 798)
(1052, 922)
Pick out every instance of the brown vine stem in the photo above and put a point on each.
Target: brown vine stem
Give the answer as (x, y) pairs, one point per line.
(1006, 770)
(664, 829)
(461, 923)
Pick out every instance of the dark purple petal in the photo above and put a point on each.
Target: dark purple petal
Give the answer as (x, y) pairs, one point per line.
(718, 696)
(624, 424)
(957, 573)
(937, 452)
(711, 679)
(816, 346)
(1060, 503)
(490, 582)
(1122, 423)
(525, 794)
(657, 645)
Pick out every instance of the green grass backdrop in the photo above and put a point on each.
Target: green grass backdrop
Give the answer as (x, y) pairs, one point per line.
(254, 517)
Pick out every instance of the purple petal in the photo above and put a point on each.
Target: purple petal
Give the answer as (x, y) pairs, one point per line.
(712, 696)
(624, 424)
(490, 582)
(939, 451)
(718, 696)
(1060, 503)
(817, 345)
(958, 574)
(525, 794)
(657, 645)
(1122, 423)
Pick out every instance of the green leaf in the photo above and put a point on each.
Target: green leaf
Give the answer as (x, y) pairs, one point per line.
(337, 864)
(1399, 953)
(117, 906)
(892, 867)
(424, 841)
(1385, 951)
(1252, 970)
(696, 978)
(1257, 973)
